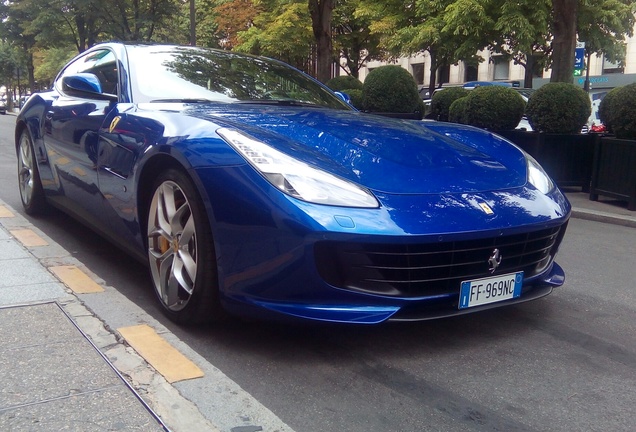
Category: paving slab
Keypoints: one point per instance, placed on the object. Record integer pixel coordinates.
(23, 271)
(53, 378)
(9, 250)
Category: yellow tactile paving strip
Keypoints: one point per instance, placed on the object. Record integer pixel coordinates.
(28, 237)
(166, 359)
(76, 279)
(5, 213)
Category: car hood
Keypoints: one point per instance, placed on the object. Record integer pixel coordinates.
(383, 154)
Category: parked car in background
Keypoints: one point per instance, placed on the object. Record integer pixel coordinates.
(248, 186)
(3, 106)
(22, 100)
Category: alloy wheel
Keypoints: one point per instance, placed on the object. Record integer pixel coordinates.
(172, 246)
(26, 176)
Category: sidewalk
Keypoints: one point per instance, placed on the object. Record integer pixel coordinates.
(62, 368)
(54, 379)
(604, 210)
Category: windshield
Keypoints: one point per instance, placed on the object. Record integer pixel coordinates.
(525, 92)
(186, 74)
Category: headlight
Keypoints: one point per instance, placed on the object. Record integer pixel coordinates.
(296, 178)
(537, 177)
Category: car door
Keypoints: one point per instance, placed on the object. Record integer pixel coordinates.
(71, 126)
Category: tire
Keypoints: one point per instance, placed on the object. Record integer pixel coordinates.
(181, 251)
(29, 182)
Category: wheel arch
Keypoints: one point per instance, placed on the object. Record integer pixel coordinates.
(207, 306)
(20, 127)
(149, 173)
(32, 126)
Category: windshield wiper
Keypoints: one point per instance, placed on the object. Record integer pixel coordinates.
(185, 100)
(282, 102)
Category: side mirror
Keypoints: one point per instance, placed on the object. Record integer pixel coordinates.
(85, 85)
(345, 97)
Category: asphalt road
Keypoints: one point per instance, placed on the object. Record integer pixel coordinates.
(563, 363)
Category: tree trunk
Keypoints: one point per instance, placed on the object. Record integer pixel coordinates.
(528, 74)
(321, 11)
(433, 69)
(30, 68)
(193, 24)
(564, 41)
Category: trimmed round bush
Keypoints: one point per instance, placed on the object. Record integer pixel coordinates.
(494, 108)
(391, 89)
(606, 108)
(343, 82)
(457, 110)
(623, 112)
(559, 108)
(356, 97)
(442, 101)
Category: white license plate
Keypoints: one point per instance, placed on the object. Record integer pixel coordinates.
(489, 290)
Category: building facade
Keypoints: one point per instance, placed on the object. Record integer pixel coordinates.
(603, 75)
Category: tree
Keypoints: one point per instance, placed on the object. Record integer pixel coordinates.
(449, 30)
(353, 38)
(522, 30)
(207, 23)
(65, 22)
(9, 64)
(603, 26)
(282, 30)
(134, 20)
(321, 12)
(233, 17)
(19, 31)
(49, 62)
(564, 20)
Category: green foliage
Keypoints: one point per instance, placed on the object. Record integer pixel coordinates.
(344, 82)
(8, 64)
(49, 62)
(606, 109)
(622, 105)
(604, 25)
(494, 108)
(352, 36)
(443, 99)
(281, 30)
(356, 97)
(457, 110)
(559, 108)
(449, 30)
(391, 89)
(522, 28)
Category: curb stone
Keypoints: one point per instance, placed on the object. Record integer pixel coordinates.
(175, 411)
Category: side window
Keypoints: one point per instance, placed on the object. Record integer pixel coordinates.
(102, 64)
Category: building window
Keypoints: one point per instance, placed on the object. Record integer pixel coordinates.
(443, 74)
(502, 68)
(610, 67)
(418, 72)
(470, 73)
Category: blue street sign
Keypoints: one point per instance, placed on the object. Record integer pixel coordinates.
(579, 58)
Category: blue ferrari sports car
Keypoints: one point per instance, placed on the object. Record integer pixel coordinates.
(248, 187)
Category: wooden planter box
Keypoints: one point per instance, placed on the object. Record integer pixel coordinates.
(531, 142)
(614, 170)
(568, 159)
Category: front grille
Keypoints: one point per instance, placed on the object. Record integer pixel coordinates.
(429, 269)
